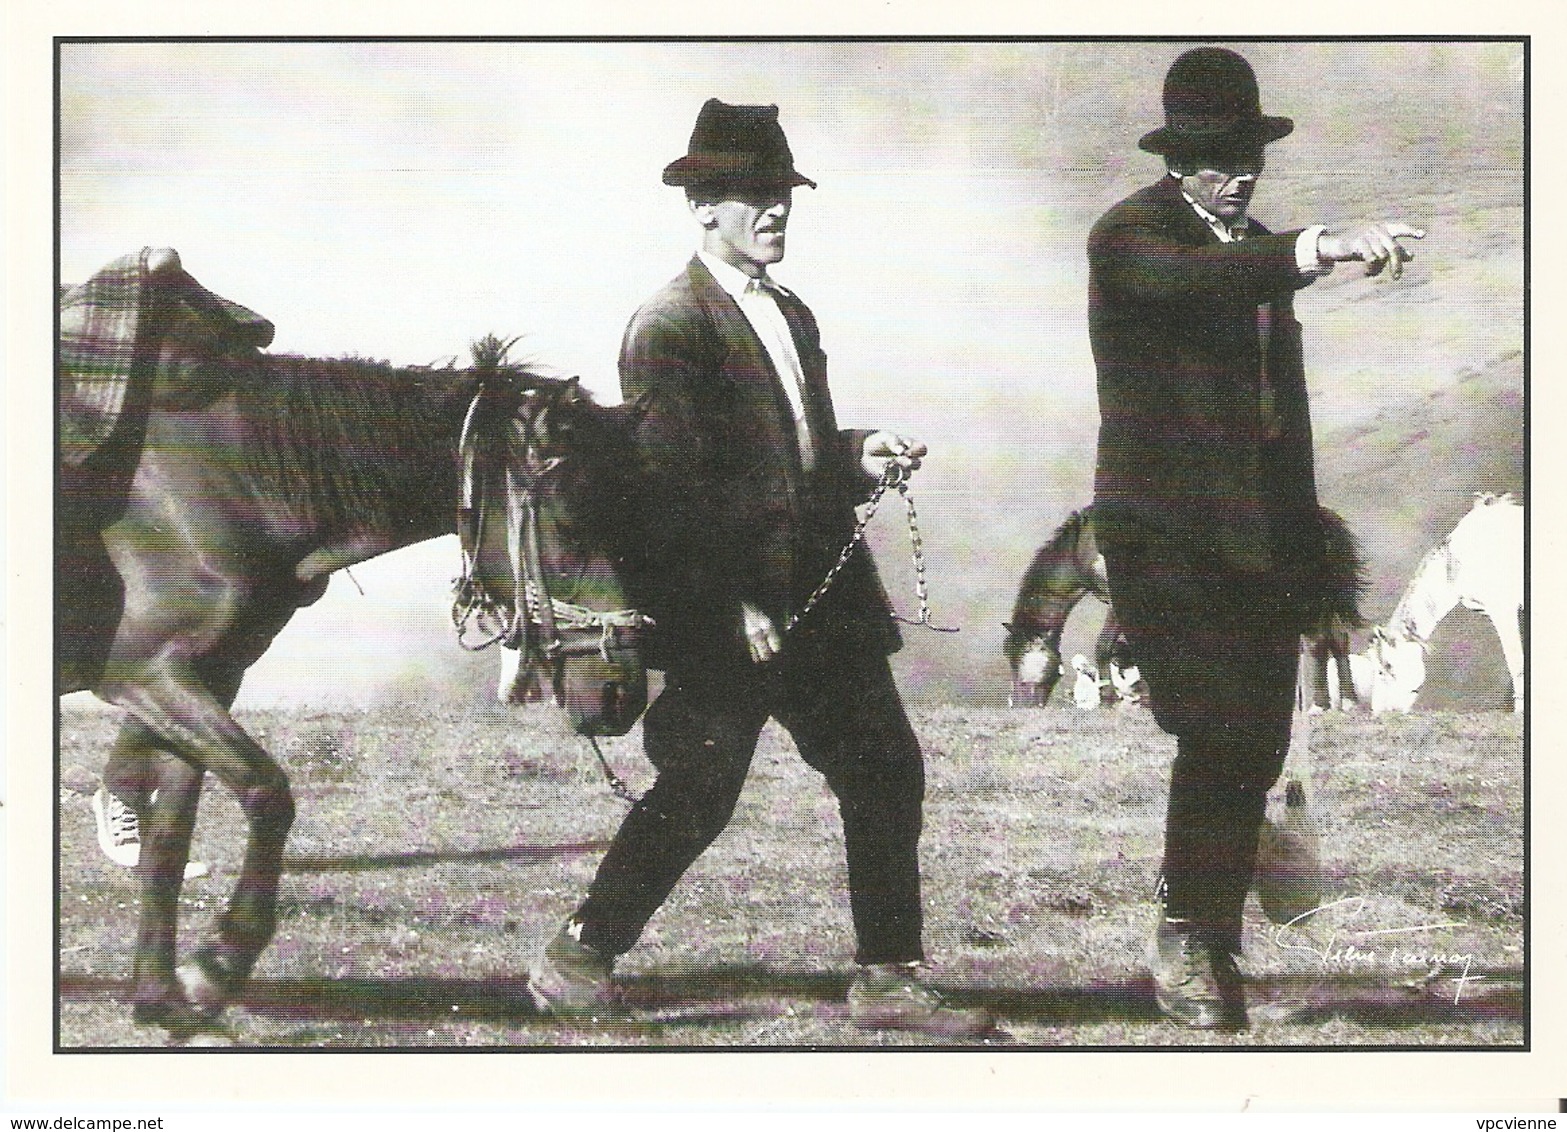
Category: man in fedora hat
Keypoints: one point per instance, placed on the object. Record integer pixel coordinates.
(1205, 495)
(751, 494)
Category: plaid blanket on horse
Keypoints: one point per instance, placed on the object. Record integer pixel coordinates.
(107, 347)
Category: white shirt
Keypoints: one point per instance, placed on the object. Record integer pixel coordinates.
(761, 310)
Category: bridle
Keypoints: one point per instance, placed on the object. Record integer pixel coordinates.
(542, 628)
(528, 619)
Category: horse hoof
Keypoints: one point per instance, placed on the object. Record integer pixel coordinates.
(203, 987)
(202, 1039)
(181, 1019)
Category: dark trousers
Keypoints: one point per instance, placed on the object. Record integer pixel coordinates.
(1220, 654)
(1218, 796)
(846, 717)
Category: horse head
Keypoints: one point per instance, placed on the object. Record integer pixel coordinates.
(1062, 571)
(547, 493)
(1035, 660)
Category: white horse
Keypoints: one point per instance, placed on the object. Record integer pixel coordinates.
(1481, 565)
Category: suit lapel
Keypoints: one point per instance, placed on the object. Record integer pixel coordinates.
(746, 360)
(818, 401)
(1193, 230)
(745, 363)
(1199, 233)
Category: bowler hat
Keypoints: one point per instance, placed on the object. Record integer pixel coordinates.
(736, 145)
(1211, 106)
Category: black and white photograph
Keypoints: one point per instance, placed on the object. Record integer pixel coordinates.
(992, 545)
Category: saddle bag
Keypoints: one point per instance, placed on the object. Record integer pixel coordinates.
(601, 679)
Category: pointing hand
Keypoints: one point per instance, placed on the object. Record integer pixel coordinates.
(1375, 245)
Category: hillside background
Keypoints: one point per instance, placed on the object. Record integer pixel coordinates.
(402, 200)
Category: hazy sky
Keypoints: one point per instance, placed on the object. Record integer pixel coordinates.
(399, 200)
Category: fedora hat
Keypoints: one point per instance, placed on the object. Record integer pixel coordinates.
(736, 145)
(1211, 105)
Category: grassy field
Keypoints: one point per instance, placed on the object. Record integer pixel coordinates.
(436, 848)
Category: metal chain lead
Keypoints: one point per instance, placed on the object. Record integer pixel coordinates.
(893, 476)
(617, 785)
(921, 587)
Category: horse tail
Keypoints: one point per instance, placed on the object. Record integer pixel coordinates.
(1345, 575)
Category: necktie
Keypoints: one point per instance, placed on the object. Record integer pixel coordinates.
(1267, 410)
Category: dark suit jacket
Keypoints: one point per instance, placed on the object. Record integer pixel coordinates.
(1190, 459)
(731, 516)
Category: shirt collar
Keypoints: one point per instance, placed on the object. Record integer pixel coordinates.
(1220, 228)
(731, 278)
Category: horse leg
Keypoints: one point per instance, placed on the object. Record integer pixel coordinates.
(130, 772)
(1359, 666)
(1509, 630)
(139, 769)
(195, 727)
(166, 835)
(247, 924)
(1104, 646)
(1338, 655)
(1314, 692)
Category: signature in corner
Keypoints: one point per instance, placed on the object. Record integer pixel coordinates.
(1350, 948)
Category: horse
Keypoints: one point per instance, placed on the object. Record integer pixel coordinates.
(1069, 567)
(229, 487)
(1480, 564)
(1064, 570)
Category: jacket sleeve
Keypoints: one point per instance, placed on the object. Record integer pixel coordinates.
(1138, 255)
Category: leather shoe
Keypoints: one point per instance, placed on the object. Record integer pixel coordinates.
(888, 996)
(1195, 979)
(572, 979)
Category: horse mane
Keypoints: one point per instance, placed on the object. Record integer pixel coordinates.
(1063, 543)
(1428, 597)
(604, 479)
(353, 440)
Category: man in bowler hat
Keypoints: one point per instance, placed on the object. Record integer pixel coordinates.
(1205, 495)
(751, 494)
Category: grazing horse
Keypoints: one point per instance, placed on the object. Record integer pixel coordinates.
(219, 501)
(1062, 572)
(1069, 567)
(1480, 565)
